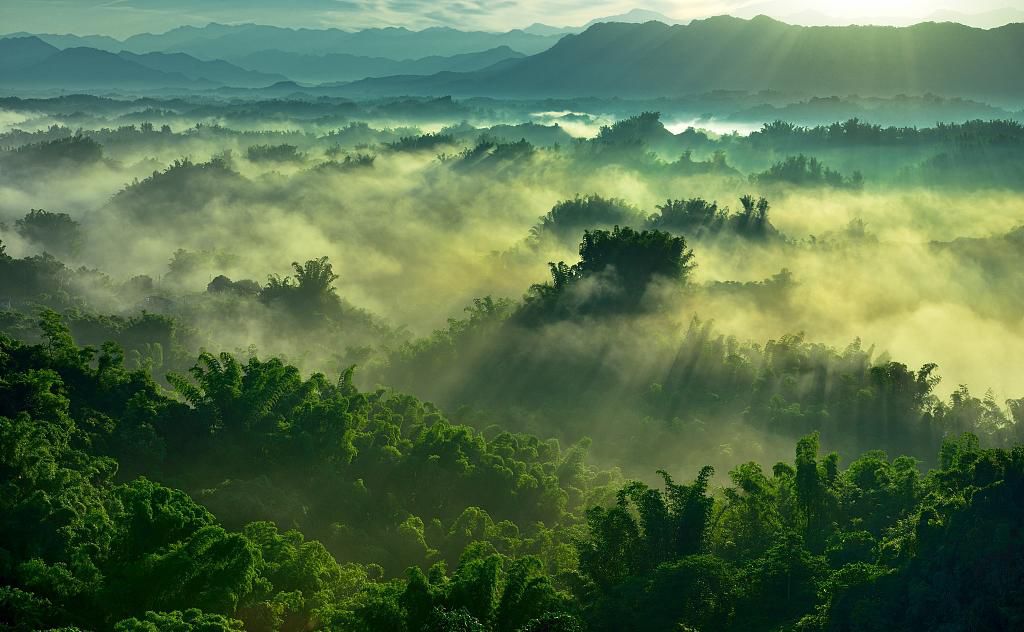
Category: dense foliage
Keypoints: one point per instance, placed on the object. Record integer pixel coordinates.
(125, 508)
(236, 391)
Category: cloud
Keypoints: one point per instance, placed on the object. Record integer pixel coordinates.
(126, 17)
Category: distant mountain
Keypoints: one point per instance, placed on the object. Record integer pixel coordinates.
(216, 71)
(219, 41)
(223, 41)
(546, 30)
(102, 42)
(89, 68)
(982, 14)
(21, 52)
(636, 16)
(31, 62)
(341, 67)
(984, 20)
(725, 53)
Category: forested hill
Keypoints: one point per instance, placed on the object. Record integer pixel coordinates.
(726, 53)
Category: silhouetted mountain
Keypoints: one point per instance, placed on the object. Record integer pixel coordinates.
(88, 68)
(29, 61)
(218, 41)
(216, 71)
(985, 19)
(984, 14)
(724, 53)
(538, 28)
(230, 42)
(21, 52)
(102, 42)
(635, 16)
(341, 67)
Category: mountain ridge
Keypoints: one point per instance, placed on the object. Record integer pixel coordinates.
(223, 41)
(336, 67)
(30, 61)
(726, 53)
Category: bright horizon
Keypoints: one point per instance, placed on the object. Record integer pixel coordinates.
(121, 18)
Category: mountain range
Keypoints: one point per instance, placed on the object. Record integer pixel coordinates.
(608, 59)
(339, 67)
(228, 42)
(232, 42)
(982, 14)
(726, 53)
(636, 16)
(30, 62)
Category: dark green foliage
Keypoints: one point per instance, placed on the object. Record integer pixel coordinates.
(810, 545)
(71, 151)
(660, 536)
(74, 536)
(568, 219)
(312, 288)
(636, 258)
(39, 278)
(616, 270)
(221, 283)
(632, 140)
(855, 132)
(425, 142)
(274, 153)
(493, 154)
(255, 495)
(638, 129)
(57, 233)
(359, 161)
(806, 172)
(184, 187)
(191, 620)
(696, 217)
(699, 219)
(308, 300)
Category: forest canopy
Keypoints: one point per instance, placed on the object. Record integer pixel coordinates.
(110, 465)
(277, 359)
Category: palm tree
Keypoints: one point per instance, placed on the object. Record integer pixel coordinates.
(315, 277)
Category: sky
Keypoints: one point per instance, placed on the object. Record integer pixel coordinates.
(120, 18)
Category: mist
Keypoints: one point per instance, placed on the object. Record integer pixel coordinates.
(541, 330)
(416, 230)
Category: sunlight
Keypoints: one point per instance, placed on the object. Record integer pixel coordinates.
(552, 318)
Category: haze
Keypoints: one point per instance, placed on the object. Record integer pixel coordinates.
(684, 318)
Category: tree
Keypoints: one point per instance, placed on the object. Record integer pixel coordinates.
(615, 271)
(212, 570)
(191, 620)
(55, 232)
(309, 294)
(568, 218)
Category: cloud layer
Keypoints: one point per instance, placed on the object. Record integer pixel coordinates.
(126, 17)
